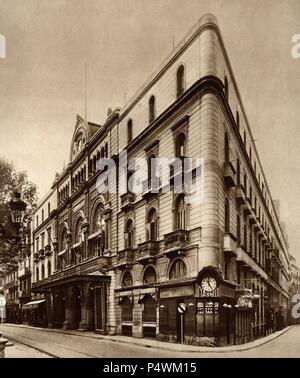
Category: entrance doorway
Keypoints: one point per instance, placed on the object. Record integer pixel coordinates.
(149, 317)
(76, 305)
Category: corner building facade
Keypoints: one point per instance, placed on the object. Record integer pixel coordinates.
(122, 262)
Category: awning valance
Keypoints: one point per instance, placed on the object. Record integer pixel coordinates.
(33, 304)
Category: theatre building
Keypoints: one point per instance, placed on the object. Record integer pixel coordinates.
(166, 261)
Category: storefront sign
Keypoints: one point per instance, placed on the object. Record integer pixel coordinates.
(182, 291)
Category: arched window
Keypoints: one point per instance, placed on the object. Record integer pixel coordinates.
(151, 109)
(238, 171)
(129, 131)
(78, 231)
(245, 236)
(63, 241)
(178, 270)
(129, 234)
(37, 274)
(102, 153)
(226, 87)
(180, 214)
(127, 280)
(49, 268)
(43, 271)
(180, 81)
(226, 148)
(238, 228)
(98, 221)
(181, 145)
(152, 225)
(150, 276)
(227, 216)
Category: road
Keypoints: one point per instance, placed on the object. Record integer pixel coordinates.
(57, 344)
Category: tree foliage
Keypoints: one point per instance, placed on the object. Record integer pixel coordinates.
(12, 180)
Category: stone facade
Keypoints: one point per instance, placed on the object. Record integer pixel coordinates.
(122, 262)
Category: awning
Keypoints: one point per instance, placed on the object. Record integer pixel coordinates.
(143, 295)
(33, 304)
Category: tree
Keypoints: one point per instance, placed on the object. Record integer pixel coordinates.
(12, 180)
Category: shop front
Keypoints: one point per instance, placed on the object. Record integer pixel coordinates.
(76, 302)
(212, 312)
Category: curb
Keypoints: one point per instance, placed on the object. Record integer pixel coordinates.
(229, 349)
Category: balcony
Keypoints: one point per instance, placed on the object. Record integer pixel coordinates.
(229, 175)
(177, 239)
(48, 250)
(126, 256)
(127, 200)
(240, 195)
(229, 245)
(11, 284)
(41, 253)
(147, 250)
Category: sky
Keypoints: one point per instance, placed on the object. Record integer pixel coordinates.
(122, 42)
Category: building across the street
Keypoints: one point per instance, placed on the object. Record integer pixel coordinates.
(165, 263)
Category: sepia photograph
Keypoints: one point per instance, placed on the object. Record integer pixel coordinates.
(149, 183)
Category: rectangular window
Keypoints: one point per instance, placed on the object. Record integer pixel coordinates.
(49, 236)
(37, 244)
(42, 240)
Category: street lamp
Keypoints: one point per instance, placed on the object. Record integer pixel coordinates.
(17, 209)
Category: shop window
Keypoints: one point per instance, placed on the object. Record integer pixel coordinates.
(178, 269)
(126, 310)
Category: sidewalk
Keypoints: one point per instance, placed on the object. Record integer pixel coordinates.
(148, 343)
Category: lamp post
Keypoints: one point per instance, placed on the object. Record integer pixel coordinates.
(10, 231)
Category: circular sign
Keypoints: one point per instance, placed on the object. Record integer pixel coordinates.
(181, 308)
(2, 301)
